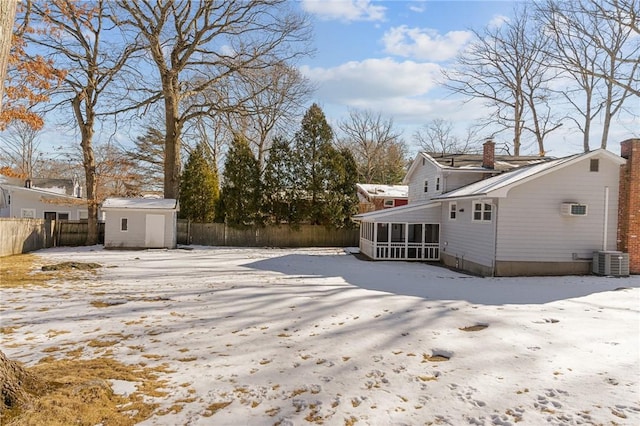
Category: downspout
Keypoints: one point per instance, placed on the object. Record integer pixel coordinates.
(606, 218)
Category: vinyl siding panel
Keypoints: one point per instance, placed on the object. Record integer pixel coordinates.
(25, 199)
(455, 180)
(465, 239)
(416, 183)
(531, 227)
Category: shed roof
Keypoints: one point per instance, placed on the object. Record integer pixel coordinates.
(140, 203)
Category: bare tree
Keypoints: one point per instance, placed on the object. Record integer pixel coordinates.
(19, 147)
(274, 97)
(76, 42)
(595, 43)
(375, 145)
(437, 136)
(196, 45)
(506, 67)
(7, 19)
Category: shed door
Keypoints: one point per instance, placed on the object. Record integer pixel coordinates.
(154, 233)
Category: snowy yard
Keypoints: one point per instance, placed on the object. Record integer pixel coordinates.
(316, 336)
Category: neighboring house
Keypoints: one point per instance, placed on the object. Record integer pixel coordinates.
(540, 217)
(373, 197)
(137, 223)
(55, 199)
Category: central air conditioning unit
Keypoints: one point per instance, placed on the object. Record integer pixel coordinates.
(573, 209)
(613, 263)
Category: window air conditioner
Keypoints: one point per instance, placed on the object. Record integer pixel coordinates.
(573, 209)
(614, 263)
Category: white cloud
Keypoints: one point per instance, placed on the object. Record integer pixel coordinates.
(498, 20)
(373, 79)
(418, 6)
(345, 10)
(424, 43)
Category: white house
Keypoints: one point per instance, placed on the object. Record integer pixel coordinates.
(529, 216)
(55, 199)
(137, 223)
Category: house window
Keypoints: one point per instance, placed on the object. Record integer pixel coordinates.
(438, 184)
(124, 224)
(594, 165)
(28, 213)
(453, 211)
(426, 186)
(388, 203)
(83, 215)
(482, 212)
(63, 216)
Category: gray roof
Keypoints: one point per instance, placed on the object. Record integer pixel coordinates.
(493, 185)
(474, 161)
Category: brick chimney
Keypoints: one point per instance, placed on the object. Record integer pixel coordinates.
(488, 154)
(629, 204)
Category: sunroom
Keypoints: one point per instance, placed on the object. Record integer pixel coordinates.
(409, 232)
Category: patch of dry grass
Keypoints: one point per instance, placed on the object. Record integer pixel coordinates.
(27, 269)
(22, 270)
(79, 393)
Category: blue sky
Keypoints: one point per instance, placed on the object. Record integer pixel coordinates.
(387, 56)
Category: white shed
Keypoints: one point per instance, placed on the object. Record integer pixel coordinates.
(136, 223)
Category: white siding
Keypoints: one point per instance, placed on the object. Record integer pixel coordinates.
(135, 236)
(455, 180)
(531, 227)
(23, 198)
(465, 239)
(416, 183)
(416, 215)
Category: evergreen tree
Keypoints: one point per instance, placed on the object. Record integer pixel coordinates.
(278, 183)
(342, 201)
(241, 190)
(312, 153)
(148, 156)
(199, 191)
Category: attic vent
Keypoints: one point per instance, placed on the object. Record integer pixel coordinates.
(614, 263)
(573, 209)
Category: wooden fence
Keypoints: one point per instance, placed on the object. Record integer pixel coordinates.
(25, 235)
(219, 234)
(74, 232)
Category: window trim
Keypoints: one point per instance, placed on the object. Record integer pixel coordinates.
(483, 211)
(388, 203)
(31, 213)
(594, 165)
(124, 224)
(453, 210)
(85, 211)
(68, 213)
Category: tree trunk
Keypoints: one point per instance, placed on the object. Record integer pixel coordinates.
(607, 118)
(16, 384)
(89, 164)
(172, 141)
(7, 18)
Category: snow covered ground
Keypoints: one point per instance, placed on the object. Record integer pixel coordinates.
(306, 336)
